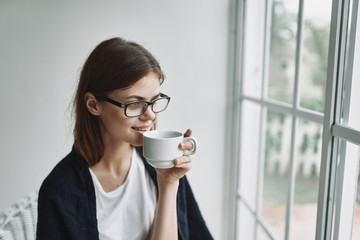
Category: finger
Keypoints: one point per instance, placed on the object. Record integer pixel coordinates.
(182, 160)
(184, 165)
(188, 133)
(188, 145)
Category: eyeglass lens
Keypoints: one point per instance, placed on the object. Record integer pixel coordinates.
(138, 108)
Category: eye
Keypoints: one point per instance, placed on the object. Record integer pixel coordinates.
(136, 105)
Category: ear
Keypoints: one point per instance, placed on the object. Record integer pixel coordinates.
(92, 104)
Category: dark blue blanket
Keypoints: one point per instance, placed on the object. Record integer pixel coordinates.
(67, 204)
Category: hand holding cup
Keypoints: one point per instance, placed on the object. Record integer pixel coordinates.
(165, 149)
(176, 166)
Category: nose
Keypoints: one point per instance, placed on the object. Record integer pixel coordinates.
(149, 114)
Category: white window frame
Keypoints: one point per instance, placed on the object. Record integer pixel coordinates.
(331, 174)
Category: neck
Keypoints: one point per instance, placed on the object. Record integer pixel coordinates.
(116, 156)
(114, 166)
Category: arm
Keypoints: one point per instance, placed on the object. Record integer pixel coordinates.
(50, 224)
(64, 210)
(165, 219)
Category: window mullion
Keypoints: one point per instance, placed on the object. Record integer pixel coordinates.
(346, 133)
(291, 183)
(263, 115)
(298, 54)
(332, 112)
(266, 49)
(296, 97)
(347, 173)
(350, 63)
(234, 130)
(287, 109)
(347, 181)
(260, 170)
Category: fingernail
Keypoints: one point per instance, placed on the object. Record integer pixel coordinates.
(182, 145)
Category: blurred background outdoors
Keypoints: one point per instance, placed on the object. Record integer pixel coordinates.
(266, 197)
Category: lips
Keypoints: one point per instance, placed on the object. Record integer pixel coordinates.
(142, 129)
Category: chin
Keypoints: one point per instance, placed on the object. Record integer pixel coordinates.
(137, 144)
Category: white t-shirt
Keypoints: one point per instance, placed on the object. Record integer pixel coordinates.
(128, 211)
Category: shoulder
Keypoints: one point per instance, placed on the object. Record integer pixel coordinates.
(68, 175)
(66, 201)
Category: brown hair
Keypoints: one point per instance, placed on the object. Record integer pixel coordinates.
(113, 64)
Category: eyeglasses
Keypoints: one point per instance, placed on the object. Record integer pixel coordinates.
(137, 108)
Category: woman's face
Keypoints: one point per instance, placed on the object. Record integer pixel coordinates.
(118, 128)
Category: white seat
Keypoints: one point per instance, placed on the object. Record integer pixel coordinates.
(19, 221)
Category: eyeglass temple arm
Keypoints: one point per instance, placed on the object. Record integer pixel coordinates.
(164, 95)
(111, 101)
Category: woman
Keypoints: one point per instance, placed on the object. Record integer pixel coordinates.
(104, 189)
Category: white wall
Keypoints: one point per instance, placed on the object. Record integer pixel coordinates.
(43, 45)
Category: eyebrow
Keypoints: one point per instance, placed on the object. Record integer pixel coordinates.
(142, 98)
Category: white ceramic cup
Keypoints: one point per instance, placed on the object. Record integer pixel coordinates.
(161, 147)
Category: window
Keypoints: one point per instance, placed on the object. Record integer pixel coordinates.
(295, 125)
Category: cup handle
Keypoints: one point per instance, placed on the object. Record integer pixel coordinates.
(186, 152)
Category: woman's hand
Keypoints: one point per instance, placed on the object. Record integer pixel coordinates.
(181, 165)
(165, 219)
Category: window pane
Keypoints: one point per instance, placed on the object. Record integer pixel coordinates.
(261, 234)
(282, 50)
(246, 223)
(356, 224)
(307, 168)
(250, 149)
(351, 96)
(275, 184)
(316, 29)
(346, 225)
(253, 48)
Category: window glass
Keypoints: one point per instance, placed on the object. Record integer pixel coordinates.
(313, 66)
(261, 234)
(250, 148)
(307, 170)
(276, 170)
(337, 143)
(246, 223)
(356, 224)
(346, 222)
(282, 50)
(266, 139)
(351, 87)
(253, 48)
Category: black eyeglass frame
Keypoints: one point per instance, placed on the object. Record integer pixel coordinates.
(125, 105)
